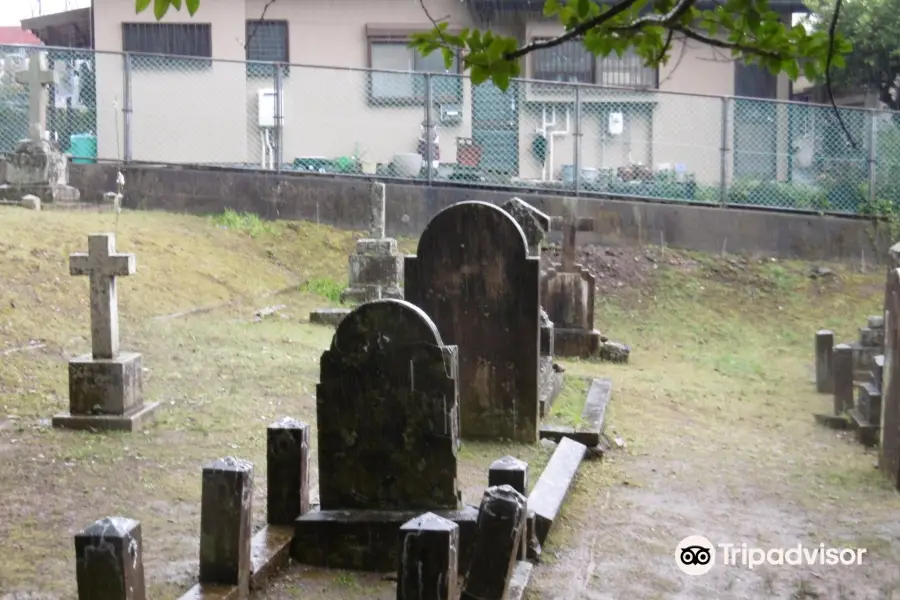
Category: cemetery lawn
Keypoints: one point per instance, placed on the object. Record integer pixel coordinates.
(714, 411)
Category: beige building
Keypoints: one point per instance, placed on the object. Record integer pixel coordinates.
(216, 108)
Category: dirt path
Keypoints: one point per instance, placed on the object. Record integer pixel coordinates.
(619, 541)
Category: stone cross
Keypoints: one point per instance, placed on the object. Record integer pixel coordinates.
(376, 205)
(103, 264)
(37, 77)
(570, 224)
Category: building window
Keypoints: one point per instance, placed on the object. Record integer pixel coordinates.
(180, 43)
(571, 62)
(393, 54)
(267, 41)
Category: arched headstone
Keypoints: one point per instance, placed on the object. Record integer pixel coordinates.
(473, 276)
(387, 413)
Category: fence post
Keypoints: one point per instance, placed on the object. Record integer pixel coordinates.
(279, 116)
(873, 154)
(429, 147)
(577, 136)
(127, 107)
(723, 154)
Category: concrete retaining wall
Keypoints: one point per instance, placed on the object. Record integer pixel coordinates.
(342, 202)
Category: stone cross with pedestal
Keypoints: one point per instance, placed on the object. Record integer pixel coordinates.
(106, 386)
(567, 294)
(37, 167)
(376, 269)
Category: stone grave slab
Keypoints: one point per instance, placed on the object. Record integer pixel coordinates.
(823, 349)
(387, 392)
(106, 386)
(593, 416)
(552, 488)
(473, 276)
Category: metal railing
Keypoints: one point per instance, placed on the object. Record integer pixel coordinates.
(537, 135)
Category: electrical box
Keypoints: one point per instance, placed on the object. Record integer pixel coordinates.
(267, 108)
(450, 114)
(616, 123)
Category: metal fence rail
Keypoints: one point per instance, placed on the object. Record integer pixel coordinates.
(536, 135)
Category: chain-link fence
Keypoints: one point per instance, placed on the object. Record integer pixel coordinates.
(438, 127)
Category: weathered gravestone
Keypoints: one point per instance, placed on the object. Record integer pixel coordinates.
(889, 451)
(109, 560)
(473, 276)
(106, 386)
(567, 293)
(36, 167)
(376, 269)
(535, 224)
(388, 422)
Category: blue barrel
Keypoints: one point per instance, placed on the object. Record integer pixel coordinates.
(83, 148)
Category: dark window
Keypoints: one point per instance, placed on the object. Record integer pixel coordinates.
(408, 87)
(175, 40)
(571, 62)
(568, 62)
(267, 41)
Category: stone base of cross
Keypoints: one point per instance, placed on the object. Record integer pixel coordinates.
(105, 386)
(570, 226)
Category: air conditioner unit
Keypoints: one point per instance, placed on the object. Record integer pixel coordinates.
(267, 108)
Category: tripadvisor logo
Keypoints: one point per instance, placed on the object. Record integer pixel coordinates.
(696, 555)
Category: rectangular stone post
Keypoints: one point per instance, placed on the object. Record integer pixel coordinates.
(287, 471)
(225, 522)
(501, 522)
(429, 559)
(109, 560)
(509, 471)
(842, 367)
(824, 374)
(512, 472)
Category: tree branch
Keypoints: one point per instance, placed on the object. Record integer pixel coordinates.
(832, 28)
(257, 23)
(576, 31)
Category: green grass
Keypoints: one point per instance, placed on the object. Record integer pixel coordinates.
(326, 288)
(244, 222)
(569, 404)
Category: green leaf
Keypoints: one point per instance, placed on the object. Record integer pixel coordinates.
(141, 5)
(479, 74)
(192, 6)
(448, 57)
(551, 7)
(176, 4)
(583, 8)
(501, 80)
(159, 8)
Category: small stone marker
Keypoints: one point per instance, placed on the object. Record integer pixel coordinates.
(509, 471)
(824, 350)
(473, 275)
(106, 386)
(534, 223)
(842, 367)
(287, 471)
(501, 524)
(225, 523)
(109, 560)
(429, 561)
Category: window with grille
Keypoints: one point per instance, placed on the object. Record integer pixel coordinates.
(409, 86)
(175, 45)
(572, 63)
(267, 41)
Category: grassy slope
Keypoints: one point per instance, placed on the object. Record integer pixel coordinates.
(721, 345)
